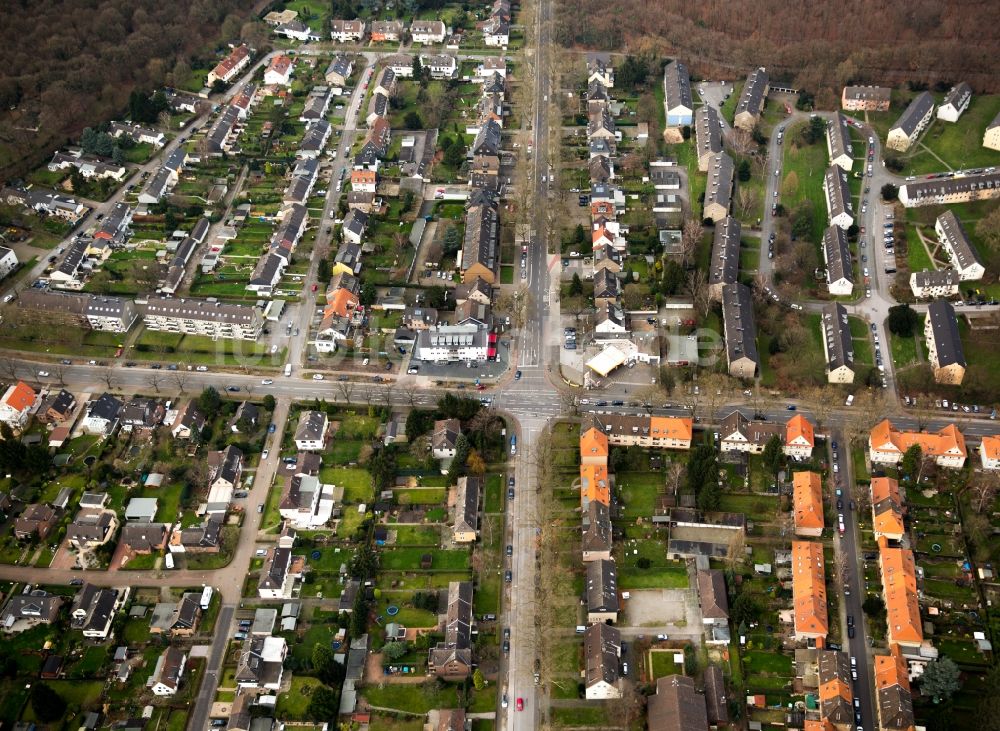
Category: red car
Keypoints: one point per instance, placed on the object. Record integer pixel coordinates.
(314, 287)
(520, 704)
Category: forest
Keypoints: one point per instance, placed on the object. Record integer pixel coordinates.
(70, 64)
(819, 46)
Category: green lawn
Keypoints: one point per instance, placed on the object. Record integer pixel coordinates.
(904, 350)
(917, 255)
(638, 492)
(493, 494)
(809, 163)
(662, 663)
(293, 704)
(421, 698)
(357, 483)
(415, 535)
(420, 495)
(582, 715)
(959, 144)
(408, 559)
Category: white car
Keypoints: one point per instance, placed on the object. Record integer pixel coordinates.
(263, 455)
(201, 369)
(267, 382)
(43, 374)
(412, 370)
(317, 376)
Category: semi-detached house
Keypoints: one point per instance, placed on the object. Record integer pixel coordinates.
(956, 243)
(887, 445)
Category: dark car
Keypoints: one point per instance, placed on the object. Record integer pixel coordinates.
(617, 403)
(510, 493)
(506, 647)
(233, 389)
(508, 576)
(510, 481)
(271, 428)
(510, 550)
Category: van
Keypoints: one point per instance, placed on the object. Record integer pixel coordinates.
(581, 629)
(288, 369)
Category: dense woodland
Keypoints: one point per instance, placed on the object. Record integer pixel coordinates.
(818, 46)
(69, 64)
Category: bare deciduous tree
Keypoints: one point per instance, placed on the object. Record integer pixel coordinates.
(180, 378)
(346, 390)
(690, 238)
(154, 379)
(697, 286)
(747, 200)
(110, 378)
(983, 490)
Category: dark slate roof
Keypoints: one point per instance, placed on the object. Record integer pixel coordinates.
(944, 329)
(921, 105)
(725, 267)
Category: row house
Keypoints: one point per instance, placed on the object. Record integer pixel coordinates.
(229, 67)
(347, 31)
(934, 283)
(214, 319)
(45, 201)
(751, 102)
(887, 445)
(838, 343)
(911, 123)
(839, 266)
(865, 98)
(956, 243)
(740, 331)
(944, 344)
(840, 211)
(948, 191)
(838, 142)
(955, 102)
(740, 434)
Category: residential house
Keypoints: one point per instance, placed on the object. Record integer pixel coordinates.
(484, 173)
(106, 314)
(441, 65)
(807, 504)
(708, 135)
(944, 344)
(599, 68)
(428, 31)
(595, 485)
(16, 405)
(894, 699)
(364, 202)
(887, 445)
(58, 406)
(751, 103)
(94, 610)
(305, 502)
(296, 30)
(594, 447)
(246, 417)
(315, 139)
(89, 167)
(261, 663)
(955, 102)
(955, 241)
(947, 191)
(204, 538)
(37, 519)
(809, 591)
(602, 650)
(676, 705)
(386, 31)
(339, 70)
(989, 452)
(479, 246)
(23, 611)
(865, 98)
(712, 598)
(142, 413)
(92, 528)
(316, 106)
(677, 94)
(610, 321)
(451, 659)
(229, 67)
(189, 422)
(466, 527)
(45, 201)
(352, 230)
(719, 192)
(887, 509)
(363, 181)
(487, 140)
(838, 198)
(225, 468)
(144, 538)
(478, 290)
(496, 32)
(452, 343)
(740, 434)
(277, 578)
(725, 263)
(838, 142)
(102, 415)
(911, 123)
(607, 289)
(740, 331)
(597, 533)
(166, 677)
(346, 31)
(601, 590)
(661, 432)
(838, 344)
(935, 283)
(836, 695)
(991, 137)
(310, 434)
(444, 438)
(899, 588)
